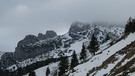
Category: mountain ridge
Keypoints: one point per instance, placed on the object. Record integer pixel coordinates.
(58, 45)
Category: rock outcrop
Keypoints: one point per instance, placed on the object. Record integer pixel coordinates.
(49, 34)
(7, 60)
(31, 46)
(77, 29)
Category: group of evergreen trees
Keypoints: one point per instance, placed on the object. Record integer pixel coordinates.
(92, 47)
(64, 63)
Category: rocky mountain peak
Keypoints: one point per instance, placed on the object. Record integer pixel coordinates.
(41, 36)
(29, 39)
(50, 34)
(78, 27)
(28, 48)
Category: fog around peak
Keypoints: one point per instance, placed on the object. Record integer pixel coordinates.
(19, 18)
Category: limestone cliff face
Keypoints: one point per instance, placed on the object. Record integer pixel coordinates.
(31, 46)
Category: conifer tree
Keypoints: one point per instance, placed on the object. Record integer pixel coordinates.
(83, 54)
(63, 66)
(130, 26)
(47, 71)
(107, 37)
(74, 60)
(93, 46)
(19, 71)
(32, 73)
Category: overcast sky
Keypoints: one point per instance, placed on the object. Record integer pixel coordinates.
(22, 17)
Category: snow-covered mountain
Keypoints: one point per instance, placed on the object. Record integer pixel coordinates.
(115, 60)
(37, 49)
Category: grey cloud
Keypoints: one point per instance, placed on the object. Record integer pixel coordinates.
(21, 17)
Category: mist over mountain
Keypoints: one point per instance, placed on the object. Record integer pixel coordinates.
(19, 18)
(67, 38)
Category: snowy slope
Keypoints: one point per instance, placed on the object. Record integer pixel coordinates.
(97, 60)
(76, 46)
